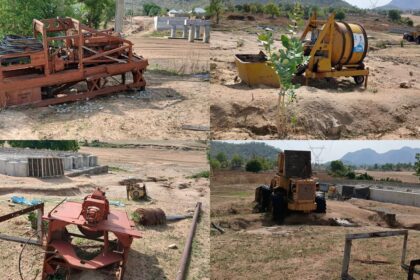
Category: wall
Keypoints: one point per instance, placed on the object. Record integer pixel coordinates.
(397, 197)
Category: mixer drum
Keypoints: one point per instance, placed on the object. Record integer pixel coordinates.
(350, 44)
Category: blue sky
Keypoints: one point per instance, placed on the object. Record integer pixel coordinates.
(368, 3)
(336, 149)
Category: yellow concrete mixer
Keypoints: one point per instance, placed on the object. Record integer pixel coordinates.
(336, 49)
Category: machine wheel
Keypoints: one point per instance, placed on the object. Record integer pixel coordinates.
(90, 233)
(418, 40)
(321, 204)
(279, 207)
(359, 80)
(301, 69)
(262, 197)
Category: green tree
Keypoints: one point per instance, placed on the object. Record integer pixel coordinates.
(214, 164)
(285, 62)
(61, 145)
(272, 9)
(236, 161)
(340, 15)
(417, 165)
(216, 8)
(253, 165)
(337, 167)
(394, 15)
(96, 11)
(16, 16)
(151, 9)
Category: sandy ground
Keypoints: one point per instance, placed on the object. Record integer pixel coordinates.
(175, 96)
(324, 110)
(305, 246)
(150, 257)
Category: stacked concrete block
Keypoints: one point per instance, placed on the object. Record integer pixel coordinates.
(93, 160)
(43, 163)
(68, 163)
(85, 161)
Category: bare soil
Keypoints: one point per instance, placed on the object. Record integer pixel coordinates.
(305, 246)
(175, 97)
(333, 109)
(150, 257)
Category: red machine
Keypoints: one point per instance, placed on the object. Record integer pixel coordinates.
(94, 219)
(66, 54)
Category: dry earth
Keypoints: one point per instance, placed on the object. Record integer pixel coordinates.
(176, 95)
(306, 246)
(150, 257)
(334, 109)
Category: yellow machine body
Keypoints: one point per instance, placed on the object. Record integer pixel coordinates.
(335, 49)
(300, 191)
(254, 70)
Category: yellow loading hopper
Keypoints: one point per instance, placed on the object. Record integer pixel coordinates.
(254, 70)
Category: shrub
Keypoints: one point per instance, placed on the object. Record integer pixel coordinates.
(254, 165)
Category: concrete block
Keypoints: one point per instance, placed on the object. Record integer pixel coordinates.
(67, 163)
(10, 168)
(21, 169)
(77, 162)
(2, 166)
(85, 161)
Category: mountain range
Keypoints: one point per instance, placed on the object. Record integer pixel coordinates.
(319, 3)
(371, 157)
(402, 5)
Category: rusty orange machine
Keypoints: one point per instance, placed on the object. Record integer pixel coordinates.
(94, 219)
(66, 61)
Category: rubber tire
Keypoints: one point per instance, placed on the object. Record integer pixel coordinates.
(301, 69)
(418, 40)
(359, 80)
(278, 207)
(262, 197)
(321, 204)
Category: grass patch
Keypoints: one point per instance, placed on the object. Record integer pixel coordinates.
(201, 174)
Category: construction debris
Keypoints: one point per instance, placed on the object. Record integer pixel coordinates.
(149, 216)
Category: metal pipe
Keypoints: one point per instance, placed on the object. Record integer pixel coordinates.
(181, 274)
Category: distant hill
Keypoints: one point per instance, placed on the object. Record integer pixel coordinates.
(246, 150)
(320, 3)
(370, 157)
(402, 5)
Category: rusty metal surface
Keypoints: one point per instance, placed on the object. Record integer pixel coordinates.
(183, 266)
(21, 212)
(150, 216)
(96, 219)
(40, 73)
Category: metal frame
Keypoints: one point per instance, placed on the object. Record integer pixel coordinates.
(328, 30)
(348, 243)
(40, 212)
(22, 84)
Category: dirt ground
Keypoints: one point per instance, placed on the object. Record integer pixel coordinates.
(176, 96)
(305, 246)
(150, 257)
(334, 109)
(403, 176)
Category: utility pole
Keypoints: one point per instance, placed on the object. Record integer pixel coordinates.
(119, 15)
(317, 151)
